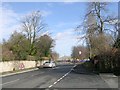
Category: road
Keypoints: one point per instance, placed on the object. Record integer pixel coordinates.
(59, 77)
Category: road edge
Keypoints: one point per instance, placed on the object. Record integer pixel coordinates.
(24, 71)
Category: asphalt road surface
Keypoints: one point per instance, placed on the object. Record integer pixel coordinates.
(58, 77)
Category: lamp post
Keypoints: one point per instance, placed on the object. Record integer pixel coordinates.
(80, 53)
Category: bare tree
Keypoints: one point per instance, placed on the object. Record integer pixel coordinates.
(95, 25)
(97, 9)
(116, 25)
(33, 26)
(54, 55)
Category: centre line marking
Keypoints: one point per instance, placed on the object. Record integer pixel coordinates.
(61, 77)
(50, 86)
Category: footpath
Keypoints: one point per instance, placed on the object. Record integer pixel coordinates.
(109, 78)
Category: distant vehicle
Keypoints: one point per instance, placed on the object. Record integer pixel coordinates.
(50, 64)
(74, 61)
(86, 60)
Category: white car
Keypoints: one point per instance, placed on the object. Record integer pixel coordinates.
(49, 64)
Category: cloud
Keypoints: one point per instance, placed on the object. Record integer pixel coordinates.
(45, 13)
(64, 35)
(50, 4)
(9, 21)
(65, 41)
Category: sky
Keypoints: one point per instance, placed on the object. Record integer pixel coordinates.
(61, 18)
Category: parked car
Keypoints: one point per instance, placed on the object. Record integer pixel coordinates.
(50, 64)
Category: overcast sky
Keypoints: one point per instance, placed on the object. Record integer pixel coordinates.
(61, 18)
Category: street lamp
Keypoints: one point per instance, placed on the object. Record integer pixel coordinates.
(80, 52)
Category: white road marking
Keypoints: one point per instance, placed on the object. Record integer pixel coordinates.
(58, 80)
(50, 86)
(74, 65)
(55, 82)
(10, 82)
(61, 77)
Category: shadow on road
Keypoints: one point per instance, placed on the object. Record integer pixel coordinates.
(81, 69)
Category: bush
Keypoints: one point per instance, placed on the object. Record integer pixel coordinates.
(89, 65)
(116, 71)
(31, 58)
(7, 56)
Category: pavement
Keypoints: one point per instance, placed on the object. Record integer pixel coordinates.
(110, 79)
(13, 73)
(56, 78)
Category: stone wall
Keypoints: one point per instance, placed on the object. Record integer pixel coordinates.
(18, 65)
